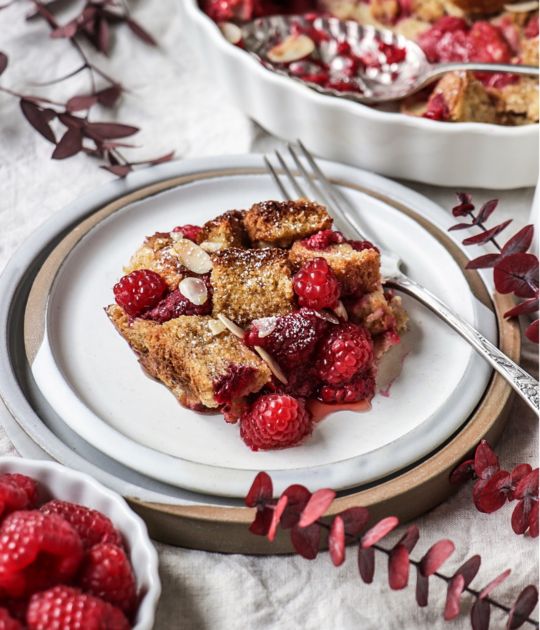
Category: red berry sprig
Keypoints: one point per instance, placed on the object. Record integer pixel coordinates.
(496, 486)
(300, 511)
(514, 270)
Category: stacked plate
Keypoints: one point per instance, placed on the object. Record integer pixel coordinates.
(76, 394)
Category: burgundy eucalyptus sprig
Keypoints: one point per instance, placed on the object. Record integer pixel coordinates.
(514, 270)
(300, 511)
(496, 486)
(96, 139)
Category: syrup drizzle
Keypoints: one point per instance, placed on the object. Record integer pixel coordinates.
(320, 411)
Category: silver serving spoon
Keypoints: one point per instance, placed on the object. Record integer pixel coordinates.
(288, 45)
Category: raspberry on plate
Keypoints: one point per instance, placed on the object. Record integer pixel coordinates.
(316, 285)
(139, 291)
(347, 350)
(275, 421)
(66, 608)
(323, 239)
(189, 231)
(293, 340)
(360, 387)
(37, 551)
(92, 526)
(175, 305)
(7, 622)
(12, 496)
(106, 573)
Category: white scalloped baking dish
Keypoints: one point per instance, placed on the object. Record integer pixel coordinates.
(392, 144)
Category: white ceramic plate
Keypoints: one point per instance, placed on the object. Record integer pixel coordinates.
(92, 379)
(445, 154)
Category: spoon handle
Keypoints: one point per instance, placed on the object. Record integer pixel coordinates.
(443, 68)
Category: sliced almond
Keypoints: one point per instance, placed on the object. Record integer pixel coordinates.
(234, 328)
(341, 311)
(194, 289)
(522, 7)
(329, 317)
(265, 326)
(230, 32)
(192, 256)
(210, 247)
(292, 48)
(270, 361)
(216, 326)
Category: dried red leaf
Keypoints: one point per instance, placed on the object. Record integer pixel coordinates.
(486, 463)
(261, 491)
(515, 274)
(483, 262)
(485, 237)
(262, 521)
(464, 198)
(493, 495)
(109, 131)
(533, 522)
(298, 497)
(463, 473)
(109, 96)
(520, 242)
(453, 597)
(38, 119)
(71, 121)
(336, 541)
(521, 515)
(528, 486)
(45, 13)
(532, 332)
(317, 505)
(120, 170)
(398, 567)
(435, 557)
(68, 31)
(355, 519)
(102, 33)
(422, 589)
(141, 33)
(366, 563)
(477, 492)
(3, 62)
(480, 615)
(378, 531)
(163, 158)
(530, 306)
(278, 511)
(410, 538)
(306, 540)
(70, 144)
(494, 583)
(523, 607)
(516, 476)
(485, 211)
(77, 103)
(462, 210)
(469, 569)
(460, 226)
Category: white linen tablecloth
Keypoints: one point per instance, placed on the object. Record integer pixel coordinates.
(177, 107)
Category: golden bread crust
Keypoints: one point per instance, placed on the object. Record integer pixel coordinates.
(466, 98)
(227, 230)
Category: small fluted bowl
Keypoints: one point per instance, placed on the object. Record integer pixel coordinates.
(58, 482)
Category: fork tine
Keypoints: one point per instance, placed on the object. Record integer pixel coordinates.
(292, 178)
(277, 180)
(309, 180)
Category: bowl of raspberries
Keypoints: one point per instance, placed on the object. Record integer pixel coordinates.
(73, 555)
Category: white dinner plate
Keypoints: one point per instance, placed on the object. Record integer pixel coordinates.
(91, 378)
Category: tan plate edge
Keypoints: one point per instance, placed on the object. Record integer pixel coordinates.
(406, 496)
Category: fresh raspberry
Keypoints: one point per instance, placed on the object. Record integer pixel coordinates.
(360, 387)
(92, 526)
(188, 231)
(323, 239)
(65, 608)
(37, 551)
(531, 30)
(139, 291)
(7, 622)
(27, 484)
(106, 573)
(176, 304)
(360, 246)
(316, 285)
(12, 496)
(273, 422)
(293, 340)
(16, 607)
(437, 108)
(347, 350)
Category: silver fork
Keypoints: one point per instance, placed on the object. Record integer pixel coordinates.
(346, 221)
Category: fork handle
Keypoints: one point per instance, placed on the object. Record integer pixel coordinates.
(524, 384)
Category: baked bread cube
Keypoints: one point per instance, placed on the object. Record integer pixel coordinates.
(251, 283)
(279, 223)
(227, 230)
(356, 271)
(157, 254)
(518, 103)
(202, 369)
